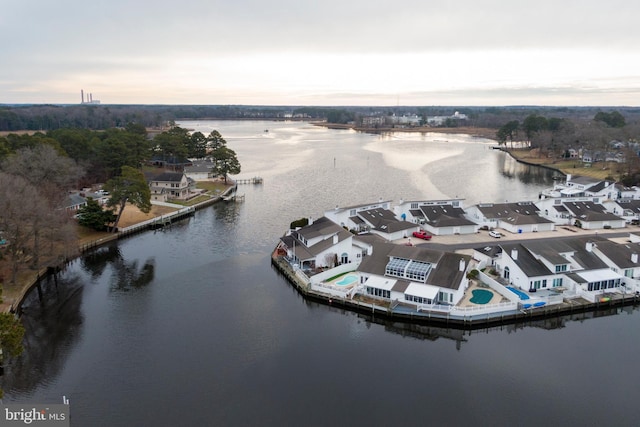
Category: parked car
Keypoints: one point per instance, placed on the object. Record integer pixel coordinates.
(494, 233)
(422, 235)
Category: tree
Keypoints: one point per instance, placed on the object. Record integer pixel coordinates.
(11, 333)
(508, 131)
(93, 216)
(50, 174)
(225, 162)
(613, 119)
(131, 186)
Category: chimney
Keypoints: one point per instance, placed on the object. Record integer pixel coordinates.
(462, 264)
(634, 258)
(514, 254)
(589, 247)
(335, 239)
(310, 219)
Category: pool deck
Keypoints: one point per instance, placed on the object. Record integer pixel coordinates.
(466, 300)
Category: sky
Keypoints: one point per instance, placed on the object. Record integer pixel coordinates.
(329, 52)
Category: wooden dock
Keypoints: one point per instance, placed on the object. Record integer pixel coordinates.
(254, 180)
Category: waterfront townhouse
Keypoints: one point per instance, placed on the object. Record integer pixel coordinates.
(373, 218)
(570, 266)
(520, 217)
(593, 216)
(348, 216)
(622, 258)
(580, 186)
(414, 276)
(320, 244)
(628, 209)
(438, 217)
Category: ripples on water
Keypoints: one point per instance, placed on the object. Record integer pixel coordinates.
(192, 326)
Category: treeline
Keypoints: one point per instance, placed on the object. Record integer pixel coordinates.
(50, 117)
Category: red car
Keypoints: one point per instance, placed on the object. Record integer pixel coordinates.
(422, 235)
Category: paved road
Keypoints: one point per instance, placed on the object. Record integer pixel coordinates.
(470, 241)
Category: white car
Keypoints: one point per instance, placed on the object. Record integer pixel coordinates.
(495, 234)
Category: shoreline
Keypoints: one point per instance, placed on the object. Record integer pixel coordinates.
(12, 301)
(475, 132)
(387, 311)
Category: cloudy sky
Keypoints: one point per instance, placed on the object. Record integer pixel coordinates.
(329, 52)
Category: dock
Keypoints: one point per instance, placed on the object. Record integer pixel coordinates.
(255, 180)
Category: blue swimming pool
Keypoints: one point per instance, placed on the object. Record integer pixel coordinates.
(347, 280)
(521, 295)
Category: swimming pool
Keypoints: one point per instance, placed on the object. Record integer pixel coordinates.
(518, 292)
(347, 280)
(481, 296)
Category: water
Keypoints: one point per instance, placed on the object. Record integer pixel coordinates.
(191, 326)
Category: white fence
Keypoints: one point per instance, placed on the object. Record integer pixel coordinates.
(336, 271)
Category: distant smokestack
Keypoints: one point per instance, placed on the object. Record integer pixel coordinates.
(90, 97)
(82, 95)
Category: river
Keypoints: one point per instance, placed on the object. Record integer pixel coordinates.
(191, 326)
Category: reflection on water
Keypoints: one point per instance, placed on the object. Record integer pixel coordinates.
(191, 325)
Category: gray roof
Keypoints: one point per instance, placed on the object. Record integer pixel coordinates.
(384, 220)
(620, 253)
(530, 265)
(445, 216)
(447, 273)
(165, 177)
(513, 213)
(321, 227)
(589, 211)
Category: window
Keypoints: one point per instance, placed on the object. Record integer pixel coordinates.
(557, 282)
(414, 206)
(352, 212)
(408, 269)
(560, 268)
(507, 273)
(628, 272)
(378, 292)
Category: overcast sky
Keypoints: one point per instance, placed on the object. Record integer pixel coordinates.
(329, 52)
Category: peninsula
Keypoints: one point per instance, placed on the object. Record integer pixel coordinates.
(437, 261)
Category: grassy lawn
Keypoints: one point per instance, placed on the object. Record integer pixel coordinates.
(600, 170)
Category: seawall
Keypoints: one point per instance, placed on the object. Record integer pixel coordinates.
(385, 310)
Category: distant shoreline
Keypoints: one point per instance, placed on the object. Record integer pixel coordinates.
(487, 133)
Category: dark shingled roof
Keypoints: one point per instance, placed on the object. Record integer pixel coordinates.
(620, 253)
(531, 266)
(521, 213)
(445, 216)
(447, 274)
(588, 211)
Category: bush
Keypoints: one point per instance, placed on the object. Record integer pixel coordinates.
(473, 274)
(299, 223)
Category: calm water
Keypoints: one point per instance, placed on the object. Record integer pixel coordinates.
(192, 327)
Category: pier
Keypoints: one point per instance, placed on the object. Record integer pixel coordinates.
(254, 180)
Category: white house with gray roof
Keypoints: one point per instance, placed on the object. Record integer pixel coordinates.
(438, 217)
(374, 218)
(322, 243)
(520, 217)
(568, 265)
(415, 276)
